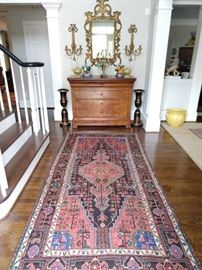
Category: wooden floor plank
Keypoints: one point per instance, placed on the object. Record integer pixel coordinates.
(180, 178)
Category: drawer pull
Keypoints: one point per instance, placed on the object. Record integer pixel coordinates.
(101, 94)
(101, 103)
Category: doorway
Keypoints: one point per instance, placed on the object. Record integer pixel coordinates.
(37, 50)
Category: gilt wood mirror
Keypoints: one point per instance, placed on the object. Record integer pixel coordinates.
(103, 30)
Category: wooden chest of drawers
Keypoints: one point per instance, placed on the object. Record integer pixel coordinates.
(101, 101)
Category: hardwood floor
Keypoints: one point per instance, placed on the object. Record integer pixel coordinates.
(180, 178)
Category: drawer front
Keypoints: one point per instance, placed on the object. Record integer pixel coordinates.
(101, 94)
(101, 108)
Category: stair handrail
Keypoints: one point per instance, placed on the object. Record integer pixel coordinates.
(36, 91)
(18, 61)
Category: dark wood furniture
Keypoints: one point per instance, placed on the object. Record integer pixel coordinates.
(101, 101)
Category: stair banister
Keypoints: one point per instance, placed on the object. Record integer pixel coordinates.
(18, 61)
(36, 89)
(28, 77)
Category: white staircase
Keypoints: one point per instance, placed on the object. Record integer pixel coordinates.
(24, 132)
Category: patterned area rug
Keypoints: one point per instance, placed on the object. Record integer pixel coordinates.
(197, 132)
(190, 143)
(103, 209)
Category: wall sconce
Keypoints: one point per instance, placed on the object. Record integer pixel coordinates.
(74, 51)
(130, 50)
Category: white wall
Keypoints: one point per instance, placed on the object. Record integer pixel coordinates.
(176, 94)
(15, 17)
(132, 12)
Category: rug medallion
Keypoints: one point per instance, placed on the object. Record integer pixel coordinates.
(103, 209)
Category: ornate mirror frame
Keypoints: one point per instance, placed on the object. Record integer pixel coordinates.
(103, 11)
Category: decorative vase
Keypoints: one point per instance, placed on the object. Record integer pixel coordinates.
(138, 102)
(63, 102)
(119, 75)
(175, 117)
(86, 75)
(77, 71)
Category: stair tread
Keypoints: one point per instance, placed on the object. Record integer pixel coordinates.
(20, 162)
(4, 114)
(11, 134)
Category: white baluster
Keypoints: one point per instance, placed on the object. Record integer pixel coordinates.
(1, 102)
(40, 101)
(32, 101)
(3, 182)
(24, 96)
(34, 74)
(3, 64)
(16, 93)
(44, 99)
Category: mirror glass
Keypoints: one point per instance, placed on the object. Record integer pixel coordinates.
(103, 39)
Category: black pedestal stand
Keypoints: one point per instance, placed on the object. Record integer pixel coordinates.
(138, 102)
(63, 102)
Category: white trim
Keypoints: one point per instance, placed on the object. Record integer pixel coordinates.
(7, 122)
(187, 2)
(16, 145)
(6, 205)
(184, 22)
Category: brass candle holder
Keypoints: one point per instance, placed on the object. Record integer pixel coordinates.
(103, 60)
(63, 102)
(130, 50)
(74, 51)
(103, 63)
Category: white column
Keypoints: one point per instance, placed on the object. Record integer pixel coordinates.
(151, 113)
(196, 73)
(55, 52)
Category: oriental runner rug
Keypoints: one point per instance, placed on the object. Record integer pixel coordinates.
(102, 209)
